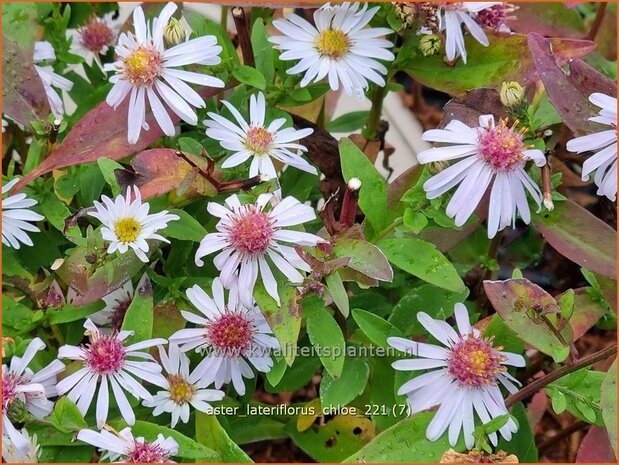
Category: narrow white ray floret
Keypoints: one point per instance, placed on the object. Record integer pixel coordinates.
(604, 146)
(229, 334)
(17, 217)
(107, 361)
(43, 52)
(21, 385)
(338, 46)
(249, 237)
(491, 154)
(127, 224)
(257, 140)
(463, 381)
(123, 447)
(183, 389)
(146, 70)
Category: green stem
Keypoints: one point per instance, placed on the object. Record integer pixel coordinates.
(371, 128)
(223, 21)
(388, 230)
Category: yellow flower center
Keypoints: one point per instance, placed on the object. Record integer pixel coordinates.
(333, 43)
(181, 391)
(127, 229)
(258, 140)
(143, 66)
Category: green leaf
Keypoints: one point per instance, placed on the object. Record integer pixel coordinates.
(373, 193)
(506, 59)
(250, 76)
(349, 122)
(530, 312)
(263, 50)
(608, 402)
(284, 320)
(338, 292)
(18, 22)
(365, 258)
(559, 402)
(66, 416)
(582, 392)
(210, 433)
(108, 167)
(424, 260)
(503, 336)
(139, 316)
(522, 443)
(187, 447)
(436, 302)
(352, 382)
(15, 314)
(326, 337)
(187, 228)
(69, 313)
(375, 328)
(54, 210)
(404, 442)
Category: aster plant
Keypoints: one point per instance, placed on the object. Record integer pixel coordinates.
(338, 232)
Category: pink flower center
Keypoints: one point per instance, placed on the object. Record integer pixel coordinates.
(258, 140)
(96, 34)
(120, 309)
(106, 354)
(251, 232)
(452, 5)
(143, 66)
(502, 147)
(494, 17)
(230, 334)
(143, 452)
(474, 362)
(10, 382)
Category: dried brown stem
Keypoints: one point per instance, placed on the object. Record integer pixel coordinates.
(242, 28)
(349, 204)
(597, 22)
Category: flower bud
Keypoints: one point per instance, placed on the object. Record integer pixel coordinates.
(174, 33)
(512, 95)
(429, 45)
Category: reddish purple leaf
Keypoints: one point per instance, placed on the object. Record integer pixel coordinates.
(589, 80)
(586, 312)
(595, 447)
(580, 236)
(571, 102)
(537, 408)
(102, 132)
(609, 291)
(553, 19)
(23, 95)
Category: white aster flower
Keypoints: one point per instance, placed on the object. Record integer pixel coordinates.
(230, 335)
(182, 388)
(452, 15)
(144, 69)
(11, 454)
(604, 144)
(21, 384)
(43, 51)
(337, 46)
(127, 224)
(257, 140)
(122, 447)
(247, 236)
(466, 380)
(95, 37)
(116, 304)
(16, 215)
(107, 360)
(492, 154)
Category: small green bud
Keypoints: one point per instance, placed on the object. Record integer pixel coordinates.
(429, 45)
(512, 95)
(174, 33)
